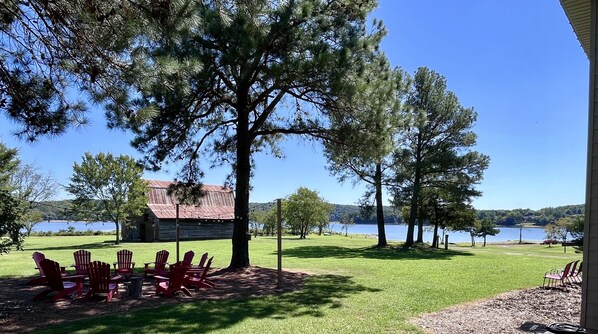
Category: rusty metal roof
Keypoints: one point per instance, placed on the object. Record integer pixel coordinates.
(217, 203)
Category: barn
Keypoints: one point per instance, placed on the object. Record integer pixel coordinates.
(211, 219)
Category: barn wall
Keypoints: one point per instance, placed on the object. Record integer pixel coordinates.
(194, 230)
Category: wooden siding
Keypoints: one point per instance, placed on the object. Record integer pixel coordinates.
(194, 230)
(589, 305)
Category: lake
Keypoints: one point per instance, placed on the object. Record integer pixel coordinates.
(393, 232)
(398, 233)
(55, 226)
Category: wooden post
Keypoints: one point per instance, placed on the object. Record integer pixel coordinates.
(446, 241)
(279, 243)
(177, 232)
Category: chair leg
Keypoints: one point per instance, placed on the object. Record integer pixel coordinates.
(42, 294)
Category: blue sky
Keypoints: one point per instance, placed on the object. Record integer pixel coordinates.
(517, 63)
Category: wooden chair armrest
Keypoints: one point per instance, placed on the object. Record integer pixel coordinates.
(74, 277)
(161, 278)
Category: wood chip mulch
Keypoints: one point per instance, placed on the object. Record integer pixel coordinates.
(523, 311)
(19, 313)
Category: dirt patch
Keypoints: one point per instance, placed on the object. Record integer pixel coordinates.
(511, 312)
(19, 313)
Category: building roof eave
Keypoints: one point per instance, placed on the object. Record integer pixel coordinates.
(579, 13)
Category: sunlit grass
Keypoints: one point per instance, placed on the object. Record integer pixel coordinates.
(354, 287)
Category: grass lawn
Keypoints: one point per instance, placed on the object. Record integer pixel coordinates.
(354, 288)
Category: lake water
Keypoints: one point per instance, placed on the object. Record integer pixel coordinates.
(79, 226)
(393, 232)
(398, 233)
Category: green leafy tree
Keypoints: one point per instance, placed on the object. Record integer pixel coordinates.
(221, 80)
(346, 222)
(31, 187)
(485, 228)
(551, 233)
(577, 228)
(305, 210)
(267, 219)
(10, 224)
(10, 206)
(436, 146)
(364, 139)
(212, 81)
(108, 187)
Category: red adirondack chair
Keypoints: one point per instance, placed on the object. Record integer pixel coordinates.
(198, 277)
(202, 261)
(577, 273)
(82, 261)
(188, 257)
(557, 275)
(57, 284)
(124, 264)
(159, 265)
(37, 258)
(100, 280)
(174, 283)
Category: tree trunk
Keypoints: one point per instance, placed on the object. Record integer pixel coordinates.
(472, 240)
(521, 233)
(420, 230)
(484, 241)
(117, 233)
(435, 241)
(240, 252)
(379, 207)
(413, 209)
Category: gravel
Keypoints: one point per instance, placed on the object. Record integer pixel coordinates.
(511, 312)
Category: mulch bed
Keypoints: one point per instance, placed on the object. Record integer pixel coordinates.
(528, 310)
(19, 313)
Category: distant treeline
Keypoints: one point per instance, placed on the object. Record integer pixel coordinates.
(60, 210)
(540, 217)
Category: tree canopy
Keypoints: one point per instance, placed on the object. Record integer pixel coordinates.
(108, 187)
(435, 148)
(305, 210)
(365, 138)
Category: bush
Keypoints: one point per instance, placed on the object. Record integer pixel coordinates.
(550, 242)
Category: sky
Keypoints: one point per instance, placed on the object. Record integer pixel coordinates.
(517, 63)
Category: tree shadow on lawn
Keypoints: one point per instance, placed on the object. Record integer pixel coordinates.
(384, 253)
(95, 245)
(319, 293)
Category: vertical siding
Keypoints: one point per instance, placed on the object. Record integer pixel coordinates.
(589, 306)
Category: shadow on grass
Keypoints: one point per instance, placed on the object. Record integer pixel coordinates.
(95, 245)
(319, 294)
(385, 253)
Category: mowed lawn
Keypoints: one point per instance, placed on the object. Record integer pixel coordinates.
(353, 287)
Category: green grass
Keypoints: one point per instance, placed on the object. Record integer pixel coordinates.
(353, 287)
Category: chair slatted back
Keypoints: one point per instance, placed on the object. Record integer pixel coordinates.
(202, 261)
(82, 261)
(52, 271)
(99, 276)
(37, 258)
(188, 257)
(177, 275)
(567, 269)
(124, 259)
(204, 273)
(161, 259)
(572, 270)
